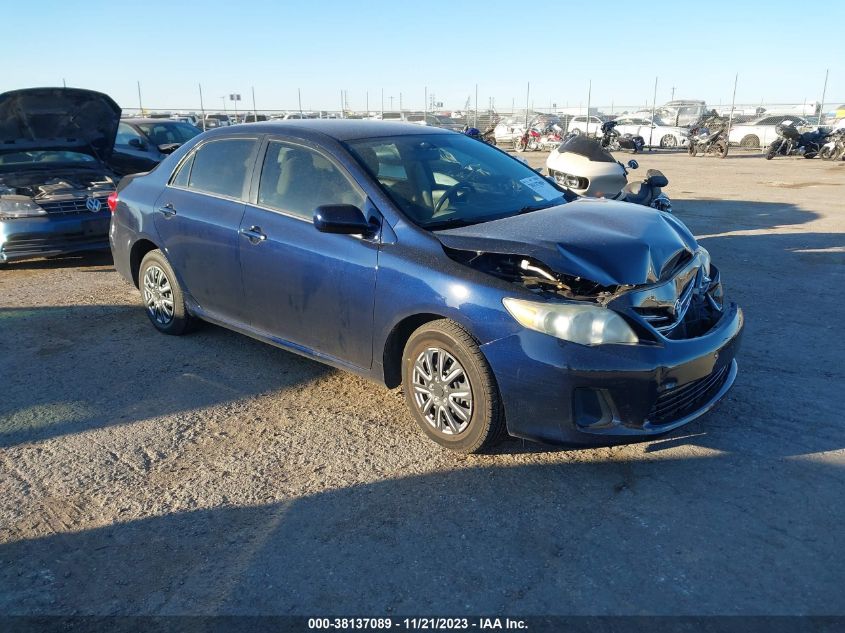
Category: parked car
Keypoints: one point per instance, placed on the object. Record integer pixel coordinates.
(217, 120)
(141, 144)
(421, 257)
(584, 125)
(655, 133)
(760, 132)
(55, 144)
(509, 129)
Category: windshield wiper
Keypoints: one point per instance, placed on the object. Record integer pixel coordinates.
(535, 207)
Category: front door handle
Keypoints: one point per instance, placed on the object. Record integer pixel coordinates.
(167, 210)
(254, 234)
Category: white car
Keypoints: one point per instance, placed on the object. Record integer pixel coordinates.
(761, 131)
(509, 129)
(655, 134)
(578, 125)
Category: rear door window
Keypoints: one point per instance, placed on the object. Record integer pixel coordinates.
(221, 167)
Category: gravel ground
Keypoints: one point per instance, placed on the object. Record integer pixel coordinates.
(145, 474)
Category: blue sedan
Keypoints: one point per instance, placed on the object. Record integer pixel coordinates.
(501, 302)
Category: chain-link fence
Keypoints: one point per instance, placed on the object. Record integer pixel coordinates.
(750, 125)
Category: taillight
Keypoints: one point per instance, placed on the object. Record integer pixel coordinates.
(112, 201)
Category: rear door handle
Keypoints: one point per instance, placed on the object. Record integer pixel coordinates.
(167, 210)
(254, 234)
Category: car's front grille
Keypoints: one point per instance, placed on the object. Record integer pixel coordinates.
(676, 403)
(665, 320)
(71, 206)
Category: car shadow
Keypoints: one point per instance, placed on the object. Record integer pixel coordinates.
(84, 259)
(709, 534)
(76, 368)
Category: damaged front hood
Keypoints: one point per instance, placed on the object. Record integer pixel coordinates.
(58, 119)
(611, 243)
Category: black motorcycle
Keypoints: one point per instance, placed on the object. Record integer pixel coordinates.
(613, 141)
(709, 137)
(791, 142)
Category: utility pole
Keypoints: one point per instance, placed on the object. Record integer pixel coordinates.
(733, 103)
(202, 107)
(299, 97)
(527, 97)
(400, 102)
(140, 105)
(254, 111)
(824, 94)
(653, 106)
(673, 93)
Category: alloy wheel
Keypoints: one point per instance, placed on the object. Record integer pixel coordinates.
(158, 295)
(442, 391)
(669, 141)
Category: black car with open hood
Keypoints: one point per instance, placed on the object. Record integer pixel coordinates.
(55, 144)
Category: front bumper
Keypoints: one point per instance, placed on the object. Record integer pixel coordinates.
(560, 392)
(45, 236)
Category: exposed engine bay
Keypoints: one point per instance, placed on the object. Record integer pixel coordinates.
(536, 276)
(686, 302)
(41, 185)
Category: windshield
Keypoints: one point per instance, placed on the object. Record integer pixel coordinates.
(171, 132)
(45, 157)
(448, 180)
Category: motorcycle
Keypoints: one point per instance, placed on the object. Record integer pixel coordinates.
(586, 168)
(708, 142)
(551, 139)
(488, 135)
(834, 149)
(528, 140)
(791, 142)
(613, 141)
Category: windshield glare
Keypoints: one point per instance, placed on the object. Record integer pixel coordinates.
(447, 180)
(45, 156)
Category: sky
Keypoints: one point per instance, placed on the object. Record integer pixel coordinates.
(323, 47)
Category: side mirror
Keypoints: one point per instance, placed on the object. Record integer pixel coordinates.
(168, 148)
(633, 164)
(345, 219)
(137, 143)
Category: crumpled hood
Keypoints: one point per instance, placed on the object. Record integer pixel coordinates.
(608, 242)
(58, 118)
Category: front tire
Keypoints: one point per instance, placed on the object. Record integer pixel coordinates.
(721, 148)
(774, 148)
(692, 149)
(164, 301)
(519, 144)
(450, 388)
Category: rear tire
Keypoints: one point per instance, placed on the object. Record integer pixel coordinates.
(692, 150)
(448, 343)
(519, 144)
(751, 141)
(826, 153)
(162, 296)
(721, 148)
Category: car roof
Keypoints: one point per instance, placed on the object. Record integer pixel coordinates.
(149, 120)
(338, 129)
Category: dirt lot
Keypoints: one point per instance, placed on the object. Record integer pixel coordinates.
(145, 474)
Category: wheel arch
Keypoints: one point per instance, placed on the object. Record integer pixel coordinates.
(395, 342)
(139, 249)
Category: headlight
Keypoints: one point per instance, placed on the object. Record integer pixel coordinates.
(705, 260)
(19, 207)
(579, 323)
